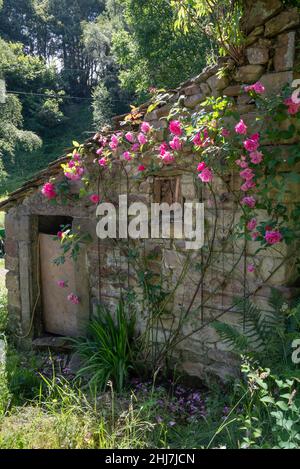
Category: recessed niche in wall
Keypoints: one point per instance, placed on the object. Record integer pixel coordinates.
(51, 224)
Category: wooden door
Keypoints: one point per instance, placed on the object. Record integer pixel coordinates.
(60, 316)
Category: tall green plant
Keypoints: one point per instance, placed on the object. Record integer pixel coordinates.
(107, 352)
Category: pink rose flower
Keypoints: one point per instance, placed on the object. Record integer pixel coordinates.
(60, 234)
(141, 167)
(167, 157)
(242, 163)
(197, 140)
(129, 137)
(175, 144)
(61, 283)
(73, 299)
(241, 127)
(247, 174)
(127, 156)
(175, 128)
(251, 268)
(114, 142)
(225, 133)
(273, 237)
(258, 87)
(99, 151)
(293, 107)
(142, 139)
(163, 148)
(206, 175)
(76, 157)
(135, 147)
(102, 162)
(249, 201)
(201, 166)
(250, 184)
(254, 235)
(48, 191)
(94, 198)
(251, 225)
(256, 157)
(252, 143)
(145, 127)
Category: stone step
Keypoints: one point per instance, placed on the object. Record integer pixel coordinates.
(55, 343)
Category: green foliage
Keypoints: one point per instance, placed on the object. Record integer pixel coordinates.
(102, 106)
(150, 53)
(265, 335)
(108, 351)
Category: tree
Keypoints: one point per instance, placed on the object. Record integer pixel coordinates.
(151, 53)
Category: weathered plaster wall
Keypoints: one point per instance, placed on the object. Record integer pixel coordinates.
(271, 57)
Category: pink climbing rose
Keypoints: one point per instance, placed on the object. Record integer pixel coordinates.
(145, 127)
(175, 128)
(127, 156)
(251, 268)
(167, 157)
(94, 198)
(247, 174)
(73, 299)
(293, 107)
(141, 167)
(61, 283)
(201, 166)
(142, 139)
(255, 235)
(48, 190)
(252, 143)
(241, 128)
(256, 157)
(135, 147)
(99, 151)
(251, 225)
(225, 133)
(206, 175)
(258, 87)
(175, 144)
(102, 162)
(273, 237)
(250, 184)
(114, 142)
(129, 137)
(197, 140)
(249, 201)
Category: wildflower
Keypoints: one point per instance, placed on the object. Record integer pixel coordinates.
(48, 190)
(175, 128)
(241, 127)
(273, 237)
(73, 299)
(258, 87)
(206, 175)
(145, 127)
(94, 198)
(249, 201)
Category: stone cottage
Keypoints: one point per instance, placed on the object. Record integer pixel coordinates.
(39, 310)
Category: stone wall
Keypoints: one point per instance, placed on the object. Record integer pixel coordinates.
(270, 56)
